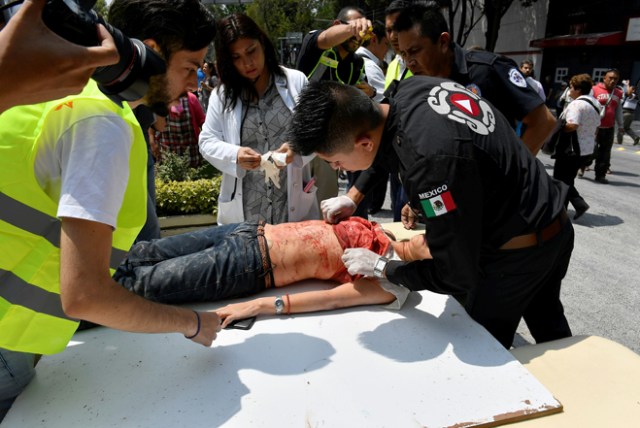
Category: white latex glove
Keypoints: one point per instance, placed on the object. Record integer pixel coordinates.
(335, 209)
(359, 261)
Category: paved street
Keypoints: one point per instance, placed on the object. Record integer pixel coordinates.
(601, 292)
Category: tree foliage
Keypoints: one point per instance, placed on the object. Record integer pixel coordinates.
(468, 13)
(101, 7)
(277, 17)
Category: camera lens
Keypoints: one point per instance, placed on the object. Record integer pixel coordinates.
(128, 80)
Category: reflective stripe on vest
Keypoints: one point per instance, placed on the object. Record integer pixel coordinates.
(31, 220)
(325, 61)
(19, 292)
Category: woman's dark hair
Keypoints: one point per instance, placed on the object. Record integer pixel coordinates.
(582, 82)
(230, 29)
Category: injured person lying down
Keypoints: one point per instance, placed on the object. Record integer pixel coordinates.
(236, 260)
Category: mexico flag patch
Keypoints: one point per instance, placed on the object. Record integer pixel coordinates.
(437, 202)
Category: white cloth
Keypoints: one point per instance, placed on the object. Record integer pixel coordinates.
(269, 163)
(375, 76)
(399, 291)
(85, 165)
(581, 113)
(630, 103)
(537, 86)
(219, 144)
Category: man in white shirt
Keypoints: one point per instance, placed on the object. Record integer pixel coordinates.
(373, 52)
(526, 68)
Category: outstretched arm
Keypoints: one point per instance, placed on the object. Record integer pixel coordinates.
(340, 32)
(88, 292)
(364, 291)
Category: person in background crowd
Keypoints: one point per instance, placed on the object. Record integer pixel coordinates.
(372, 52)
(610, 97)
(208, 84)
(396, 72)
(330, 55)
(201, 76)
(73, 190)
(526, 67)
(397, 69)
(147, 120)
(244, 131)
(49, 66)
(582, 115)
(182, 130)
(629, 104)
(428, 50)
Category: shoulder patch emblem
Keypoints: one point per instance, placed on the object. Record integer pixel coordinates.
(517, 78)
(454, 101)
(437, 201)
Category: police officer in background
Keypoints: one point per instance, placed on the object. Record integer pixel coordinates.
(496, 227)
(428, 50)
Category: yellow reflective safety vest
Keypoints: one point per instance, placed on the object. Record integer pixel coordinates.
(330, 59)
(31, 315)
(393, 73)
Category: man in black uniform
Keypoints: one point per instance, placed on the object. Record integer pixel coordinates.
(427, 48)
(495, 221)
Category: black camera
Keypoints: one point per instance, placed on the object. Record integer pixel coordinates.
(76, 21)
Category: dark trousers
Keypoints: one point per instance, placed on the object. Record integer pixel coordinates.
(378, 195)
(220, 262)
(151, 228)
(363, 207)
(565, 169)
(398, 197)
(602, 151)
(524, 283)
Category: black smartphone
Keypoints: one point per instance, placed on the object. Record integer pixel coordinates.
(243, 324)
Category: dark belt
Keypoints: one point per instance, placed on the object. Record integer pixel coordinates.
(537, 238)
(266, 259)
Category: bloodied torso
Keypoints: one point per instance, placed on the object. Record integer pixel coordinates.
(313, 249)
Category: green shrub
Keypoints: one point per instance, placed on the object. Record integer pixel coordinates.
(187, 197)
(174, 167)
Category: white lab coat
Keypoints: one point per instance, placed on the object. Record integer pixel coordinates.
(219, 145)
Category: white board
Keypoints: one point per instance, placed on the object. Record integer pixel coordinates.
(428, 365)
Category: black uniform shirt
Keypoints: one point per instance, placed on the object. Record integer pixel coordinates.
(349, 68)
(463, 166)
(497, 79)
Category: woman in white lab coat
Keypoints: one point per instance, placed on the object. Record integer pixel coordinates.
(246, 126)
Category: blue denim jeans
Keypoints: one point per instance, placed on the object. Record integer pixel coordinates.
(16, 371)
(220, 262)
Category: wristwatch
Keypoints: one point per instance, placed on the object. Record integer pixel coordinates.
(379, 267)
(279, 304)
